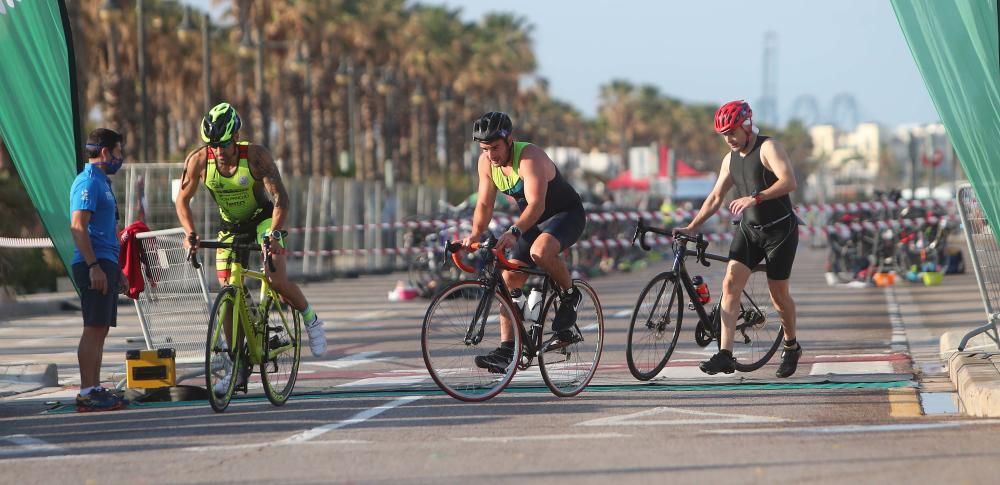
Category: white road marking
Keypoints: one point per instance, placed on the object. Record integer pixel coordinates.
(27, 444)
(248, 446)
(706, 417)
(357, 418)
(351, 360)
(588, 328)
(856, 428)
(871, 367)
(622, 314)
(387, 381)
(550, 437)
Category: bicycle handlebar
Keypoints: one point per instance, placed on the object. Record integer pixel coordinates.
(683, 239)
(236, 246)
(455, 247)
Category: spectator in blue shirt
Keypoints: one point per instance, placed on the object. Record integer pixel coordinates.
(93, 221)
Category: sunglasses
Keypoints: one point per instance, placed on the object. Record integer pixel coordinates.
(222, 144)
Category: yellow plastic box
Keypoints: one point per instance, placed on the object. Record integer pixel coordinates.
(150, 369)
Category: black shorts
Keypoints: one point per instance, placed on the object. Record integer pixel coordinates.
(566, 227)
(99, 310)
(776, 245)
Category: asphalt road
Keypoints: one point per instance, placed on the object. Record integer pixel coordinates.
(368, 412)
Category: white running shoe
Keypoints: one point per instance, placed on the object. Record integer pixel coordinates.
(222, 385)
(317, 338)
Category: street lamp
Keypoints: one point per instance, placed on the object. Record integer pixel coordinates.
(345, 75)
(109, 9)
(185, 32)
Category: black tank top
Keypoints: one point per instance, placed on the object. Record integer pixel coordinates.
(560, 196)
(750, 176)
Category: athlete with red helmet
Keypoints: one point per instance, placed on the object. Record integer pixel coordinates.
(758, 167)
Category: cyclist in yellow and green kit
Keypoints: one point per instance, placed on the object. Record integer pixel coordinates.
(245, 183)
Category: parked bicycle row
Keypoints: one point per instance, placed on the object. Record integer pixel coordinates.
(882, 245)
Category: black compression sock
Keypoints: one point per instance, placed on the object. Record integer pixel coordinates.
(791, 344)
(507, 345)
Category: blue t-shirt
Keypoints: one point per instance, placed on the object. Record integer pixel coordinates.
(92, 192)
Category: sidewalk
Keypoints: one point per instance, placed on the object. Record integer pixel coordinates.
(936, 319)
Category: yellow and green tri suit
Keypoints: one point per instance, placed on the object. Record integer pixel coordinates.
(243, 205)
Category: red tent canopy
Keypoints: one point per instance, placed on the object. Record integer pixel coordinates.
(624, 180)
(683, 170)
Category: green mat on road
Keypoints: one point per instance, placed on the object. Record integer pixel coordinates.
(69, 408)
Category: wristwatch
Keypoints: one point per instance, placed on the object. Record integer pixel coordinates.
(516, 231)
(91, 265)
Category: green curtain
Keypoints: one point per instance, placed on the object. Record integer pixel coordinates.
(39, 111)
(955, 46)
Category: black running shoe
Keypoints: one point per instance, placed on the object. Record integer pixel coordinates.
(721, 362)
(789, 361)
(561, 340)
(569, 301)
(497, 360)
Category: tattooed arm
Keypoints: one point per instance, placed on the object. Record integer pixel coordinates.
(263, 168)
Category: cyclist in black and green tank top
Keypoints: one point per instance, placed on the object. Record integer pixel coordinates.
(246, 185)
(552, 218)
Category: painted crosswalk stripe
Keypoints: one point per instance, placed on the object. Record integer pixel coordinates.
(357, 418)
(351, 360)
(26, 444)
(871, 367)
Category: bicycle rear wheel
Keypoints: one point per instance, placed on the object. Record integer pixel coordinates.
(653, 331)
(282, 348)
(758, 328)
(221, 359)
(568, 370)
(449, 352)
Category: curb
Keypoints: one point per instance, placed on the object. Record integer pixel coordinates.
(46, 375)
(47, 306)
(977, 378)
(975, 373)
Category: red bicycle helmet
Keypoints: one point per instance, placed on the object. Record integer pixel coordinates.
(732, 115)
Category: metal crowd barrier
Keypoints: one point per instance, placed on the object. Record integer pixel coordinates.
(985, 254)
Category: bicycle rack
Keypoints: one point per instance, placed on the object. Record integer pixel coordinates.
(985, 255)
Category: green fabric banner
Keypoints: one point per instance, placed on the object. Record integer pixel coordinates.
(956, 46)
(39, 110)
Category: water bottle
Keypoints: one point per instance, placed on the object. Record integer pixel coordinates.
(702, 289)
(534, 305)
(519, 300)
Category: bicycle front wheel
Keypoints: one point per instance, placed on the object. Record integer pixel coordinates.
(282, 349)
(568, 370)
(222, 359)
(461, 328)
(758, 328)
(655, 326)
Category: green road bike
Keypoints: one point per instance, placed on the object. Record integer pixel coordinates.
(267, 333)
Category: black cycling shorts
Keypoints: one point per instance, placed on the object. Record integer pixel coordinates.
(567, 227)
(776, 245)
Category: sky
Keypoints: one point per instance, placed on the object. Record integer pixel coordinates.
(712, 51)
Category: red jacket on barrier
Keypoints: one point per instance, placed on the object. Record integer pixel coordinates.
(131, 258)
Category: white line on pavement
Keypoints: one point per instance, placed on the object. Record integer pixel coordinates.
(357, 418)
(26, 444)
(622, 314)
(548, 437)
(706, 417)
(857, 428)
(351, 360)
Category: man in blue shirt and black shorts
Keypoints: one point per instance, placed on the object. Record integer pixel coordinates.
(93, 221)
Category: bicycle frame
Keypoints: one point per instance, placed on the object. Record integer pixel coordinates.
(679, 269)
(491, 278)
(252, 328)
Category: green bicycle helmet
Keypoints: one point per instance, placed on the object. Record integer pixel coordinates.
(220, 125)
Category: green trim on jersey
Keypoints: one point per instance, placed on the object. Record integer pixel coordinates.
(510, 184)
(234, 195)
